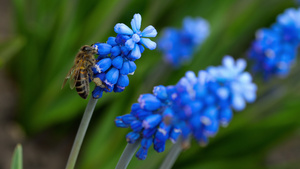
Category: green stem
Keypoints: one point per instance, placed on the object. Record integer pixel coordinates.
(172, 155)
(81, 133)
(127, 154)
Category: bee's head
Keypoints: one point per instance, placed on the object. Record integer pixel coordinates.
(87, 49)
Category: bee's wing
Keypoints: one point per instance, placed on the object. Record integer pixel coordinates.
(75, 73)
(73, 77)
(68, 76)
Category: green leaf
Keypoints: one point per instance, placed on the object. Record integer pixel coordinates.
(10, 48)
(17, 162)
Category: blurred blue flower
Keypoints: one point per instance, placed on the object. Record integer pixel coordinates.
(288, 24)
(195, 106)
(178, 46)
(116, 57)
(232, 77)
(275, 49)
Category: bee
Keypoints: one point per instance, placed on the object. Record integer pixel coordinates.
(81, 71)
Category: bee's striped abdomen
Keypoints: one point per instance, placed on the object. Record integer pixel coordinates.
(82, 83)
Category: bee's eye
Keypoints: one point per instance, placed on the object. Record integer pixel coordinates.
(86, 48)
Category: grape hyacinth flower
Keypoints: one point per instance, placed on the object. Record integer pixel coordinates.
(114, 63)
(195, 106)
(275, 49)
(178, 46)
(116, 57)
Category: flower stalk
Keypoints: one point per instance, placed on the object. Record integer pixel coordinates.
(81, 133)
(127, 154)
(172, 155)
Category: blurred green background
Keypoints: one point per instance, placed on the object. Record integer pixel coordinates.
(41, 38)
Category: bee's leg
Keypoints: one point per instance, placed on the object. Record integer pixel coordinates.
(90, 72)
(96, 80)
(91, 60)
(88, 67)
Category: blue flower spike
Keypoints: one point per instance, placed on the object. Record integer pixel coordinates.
(113, 63)
(178, 45)
(116, 57)
(195, 106)
(275, 49)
